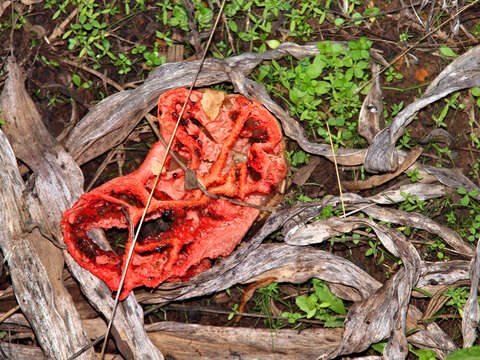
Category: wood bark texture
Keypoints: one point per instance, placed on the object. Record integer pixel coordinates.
(57, 183)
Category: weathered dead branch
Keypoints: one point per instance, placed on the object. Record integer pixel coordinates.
(56, 184)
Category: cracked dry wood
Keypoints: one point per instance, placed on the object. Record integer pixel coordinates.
(56, 184)
(35, 264)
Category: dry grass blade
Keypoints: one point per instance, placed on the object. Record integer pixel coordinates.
(339, 182)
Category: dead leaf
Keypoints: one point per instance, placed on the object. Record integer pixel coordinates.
(371, 120)
(37, 29)
(212, 101)
(301, 175)
(421, 74)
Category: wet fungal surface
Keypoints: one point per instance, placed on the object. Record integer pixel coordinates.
(233, 145)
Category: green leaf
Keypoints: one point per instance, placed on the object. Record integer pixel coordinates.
(445, 50)
(326, 296)
(461, 190)
(333, 322)
(296, 95)
(272, 44)
(292, 317)
(476, 91)
(465, 200)
(424, 354)
(379, 347)
(347, 134)
(358, 73)
(315, 69)
(339, 21)
(72, 43)
(57, 13)
(307, 304)
(337, 48)
(338, 121)
(356, 16)
(472, 353)
(67, 34)
(322, 87)
(76, 80)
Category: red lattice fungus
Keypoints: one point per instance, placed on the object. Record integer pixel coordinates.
(235, 148)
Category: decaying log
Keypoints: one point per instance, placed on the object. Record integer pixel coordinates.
(57, 183)
(23, 352)
(182, 341)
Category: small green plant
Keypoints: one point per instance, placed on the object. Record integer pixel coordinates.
(263, 301)
(458, 298)
(441, 152)
(396, 108)
(77, 81)
(297, 158)
(391, 74)
(88, 36)
(470, 225)
(376, 250)
(438, 247)
(322, 304)
(261, 15)
(49, 62)
(304, 198)
(405, 36)
(412, 203)
(468, 196)
(153, 58)
(324, 89)
(405, 140)
(414, 175)
(327, 212)
(172, 14)
(451, 103)
(123, 63)
(234, 312)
